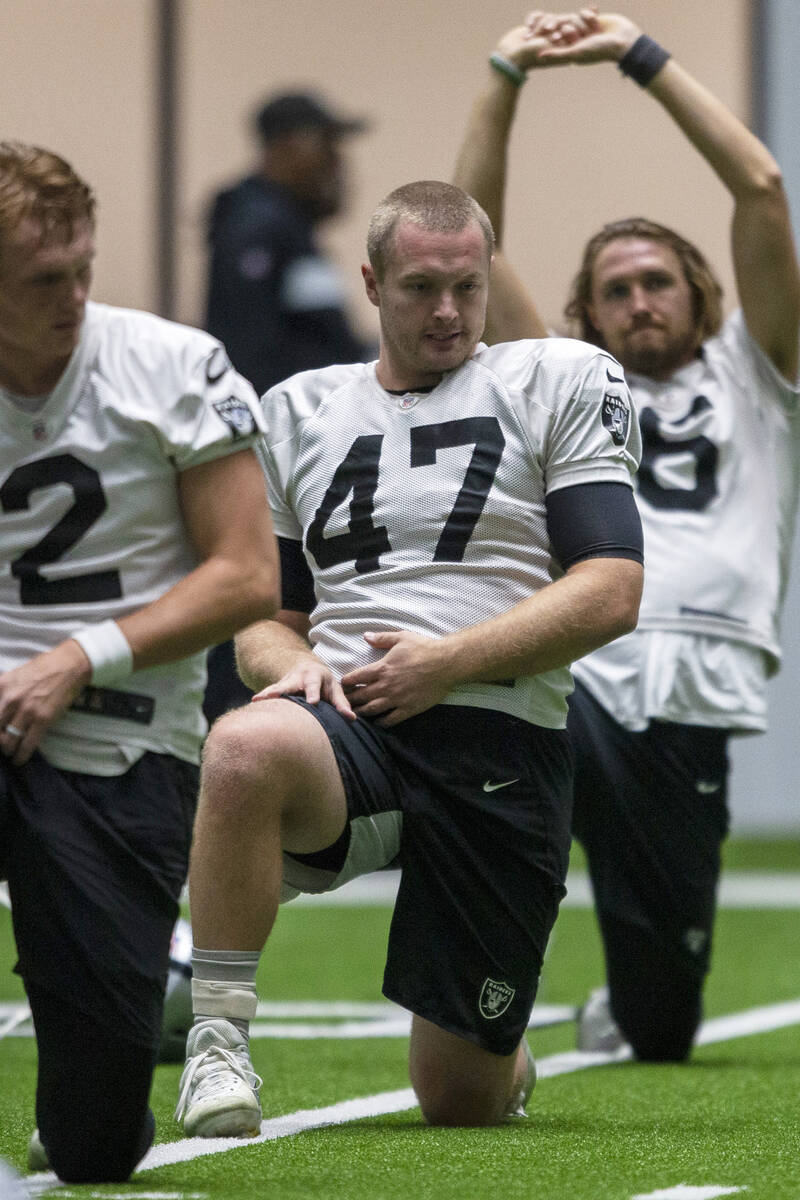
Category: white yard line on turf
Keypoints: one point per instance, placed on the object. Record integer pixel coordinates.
(392, 1021)
(739, 889)
(736, 1025)
(12, 1016)
(685, 1191)
(720, 1029)
(370, 1020)
(137, 1195)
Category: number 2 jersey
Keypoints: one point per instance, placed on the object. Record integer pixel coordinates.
(90, 516)
(426, 511)
(717, 494)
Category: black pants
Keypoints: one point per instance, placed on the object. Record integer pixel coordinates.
(91, 1094)
(651, 813)
(95, 867)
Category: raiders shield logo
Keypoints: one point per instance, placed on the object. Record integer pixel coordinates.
(616, 418)
(495, 998)
(236, 415)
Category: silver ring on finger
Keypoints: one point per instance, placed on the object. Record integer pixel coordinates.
(12, 729)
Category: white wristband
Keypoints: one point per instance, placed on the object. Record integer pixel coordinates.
(108, 650)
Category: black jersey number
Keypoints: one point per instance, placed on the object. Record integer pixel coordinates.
(654, 446)
(89, 504)
(358, 474)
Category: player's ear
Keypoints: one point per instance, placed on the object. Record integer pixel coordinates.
(370, 284)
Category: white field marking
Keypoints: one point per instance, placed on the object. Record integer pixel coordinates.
(389, 1021)
(685, 1191)
(382, 1020)
(736, 1025)
(12, 1016)
(278, 1127)
(136, 1195)
(269, 1009)
(753, 1020)
(738, 889)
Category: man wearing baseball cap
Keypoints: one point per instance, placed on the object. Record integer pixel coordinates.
(272, 291)
(273, 295)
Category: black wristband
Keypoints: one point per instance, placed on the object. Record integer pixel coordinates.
(644, 60)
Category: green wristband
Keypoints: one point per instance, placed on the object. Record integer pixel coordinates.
(506, 67)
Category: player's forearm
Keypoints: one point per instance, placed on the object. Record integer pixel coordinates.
(597, 601)
(764, 255)
(269, 650)
(481, 164)
(743, 163)
(206, 607)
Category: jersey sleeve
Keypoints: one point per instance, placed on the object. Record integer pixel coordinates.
(744, 353)
(211, 410)
(594, 434)
(275, 465)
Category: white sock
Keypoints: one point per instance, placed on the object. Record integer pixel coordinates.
(224, 985)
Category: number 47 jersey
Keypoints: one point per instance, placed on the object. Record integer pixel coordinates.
(426, 511)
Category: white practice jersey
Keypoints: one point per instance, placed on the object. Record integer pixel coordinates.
(425, 512)
(717, 493)
(91, 521)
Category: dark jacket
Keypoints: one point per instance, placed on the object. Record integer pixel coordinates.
(274, 300)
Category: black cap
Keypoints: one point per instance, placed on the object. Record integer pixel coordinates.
(298, 110)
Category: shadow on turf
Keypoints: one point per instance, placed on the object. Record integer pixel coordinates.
(550, 1125)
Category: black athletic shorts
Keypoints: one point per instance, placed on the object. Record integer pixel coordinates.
(477, 804)
(651, 812)
(95, 867)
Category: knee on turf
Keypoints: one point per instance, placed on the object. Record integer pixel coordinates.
(661, 1033)
(100, 1155)
(465, 1108)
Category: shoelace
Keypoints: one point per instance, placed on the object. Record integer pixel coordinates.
(214, 1063)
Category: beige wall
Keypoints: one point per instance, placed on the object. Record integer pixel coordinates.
(588, 146)
(77, 78)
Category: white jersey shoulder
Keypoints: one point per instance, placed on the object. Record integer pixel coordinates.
(717, 492)
(92, 526)
(426, 511)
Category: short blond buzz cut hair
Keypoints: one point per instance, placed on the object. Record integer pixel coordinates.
(40, 186)
(432, 205)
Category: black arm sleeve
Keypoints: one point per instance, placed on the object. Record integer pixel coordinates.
(594, 520)
(297, 582)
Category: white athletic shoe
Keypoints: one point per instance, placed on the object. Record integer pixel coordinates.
(597, 1029)
(219, 1088)
(37, 1155)
(517, 1107)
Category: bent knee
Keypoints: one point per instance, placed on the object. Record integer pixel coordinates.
(74, 1162)
(671, 1045)
(465, 1108)
(246, 743)
(662, 1033)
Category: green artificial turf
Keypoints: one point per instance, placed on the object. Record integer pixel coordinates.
(729, 1118)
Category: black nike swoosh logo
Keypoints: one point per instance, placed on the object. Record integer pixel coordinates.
(613, 378)
(217, 354)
